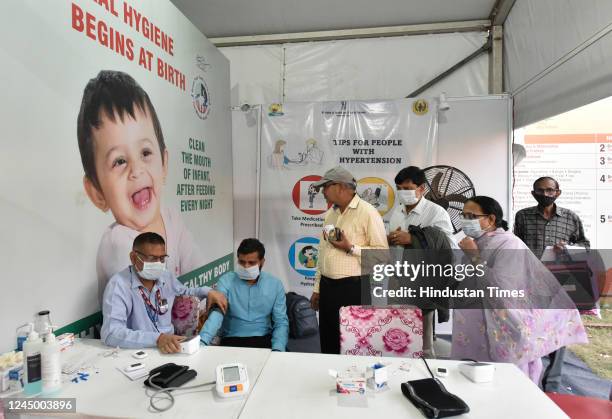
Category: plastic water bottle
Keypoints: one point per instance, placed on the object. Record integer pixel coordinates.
(32, 363)
(51, 365)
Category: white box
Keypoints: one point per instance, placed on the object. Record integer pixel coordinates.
(350, 382)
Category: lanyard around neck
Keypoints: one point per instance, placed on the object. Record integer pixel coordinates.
(153, 312)
(148, 303)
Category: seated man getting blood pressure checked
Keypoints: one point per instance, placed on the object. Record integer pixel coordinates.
(257, 313)
(137, 302)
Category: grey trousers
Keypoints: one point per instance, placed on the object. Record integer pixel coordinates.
(551, 379)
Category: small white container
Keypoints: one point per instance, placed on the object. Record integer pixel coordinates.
(51, 365)
(377, 376)
(478, 372)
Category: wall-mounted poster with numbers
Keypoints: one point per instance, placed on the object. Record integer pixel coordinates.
(575, 148)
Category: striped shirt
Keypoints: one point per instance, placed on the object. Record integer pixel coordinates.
(537, 232)
(364, 228)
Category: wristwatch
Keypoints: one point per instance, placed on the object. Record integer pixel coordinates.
(351, 250)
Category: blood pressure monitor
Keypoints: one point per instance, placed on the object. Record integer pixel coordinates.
(232, 380)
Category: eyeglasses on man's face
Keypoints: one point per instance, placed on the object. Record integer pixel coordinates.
(151, 258)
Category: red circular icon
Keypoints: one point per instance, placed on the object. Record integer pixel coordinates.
(306, 198)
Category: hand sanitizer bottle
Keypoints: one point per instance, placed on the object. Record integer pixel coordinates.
(32, 363)
(51, 365)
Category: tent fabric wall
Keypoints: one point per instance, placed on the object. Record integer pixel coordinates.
(537, 33)
(383, 68)
(256, 73)
(378, 68)
(359, 69)
(244, 156)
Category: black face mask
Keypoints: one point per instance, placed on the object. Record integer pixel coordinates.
(544, 200)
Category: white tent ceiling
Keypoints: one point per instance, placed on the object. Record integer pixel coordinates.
(557, 56)
(555, 51)
(222, 18)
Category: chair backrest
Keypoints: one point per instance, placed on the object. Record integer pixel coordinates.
(381, 331)
(185, 315)
(578, 407)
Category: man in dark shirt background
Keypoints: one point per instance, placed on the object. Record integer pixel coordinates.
(547, 224)
(543, 225)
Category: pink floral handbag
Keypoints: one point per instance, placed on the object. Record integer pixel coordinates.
(185, 315)
(381, 331)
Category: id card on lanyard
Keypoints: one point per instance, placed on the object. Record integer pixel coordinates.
(161, 305)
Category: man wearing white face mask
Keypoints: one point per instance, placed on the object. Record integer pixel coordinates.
(257, 314)
(137, 302)
(415, 209)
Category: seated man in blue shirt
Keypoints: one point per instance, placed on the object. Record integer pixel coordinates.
(137, 302)
(257, 313)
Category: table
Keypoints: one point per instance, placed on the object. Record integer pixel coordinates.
(290, 386)
(108, 392)
(297, 385)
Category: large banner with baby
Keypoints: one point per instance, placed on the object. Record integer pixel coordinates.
(115, 122)
(300, 141)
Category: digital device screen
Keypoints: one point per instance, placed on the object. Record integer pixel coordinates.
(231, 374)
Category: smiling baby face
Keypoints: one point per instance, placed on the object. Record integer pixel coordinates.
(130, 167)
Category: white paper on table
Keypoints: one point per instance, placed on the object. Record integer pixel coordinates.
(135, 375)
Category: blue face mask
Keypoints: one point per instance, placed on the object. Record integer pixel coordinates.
(471, 228)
